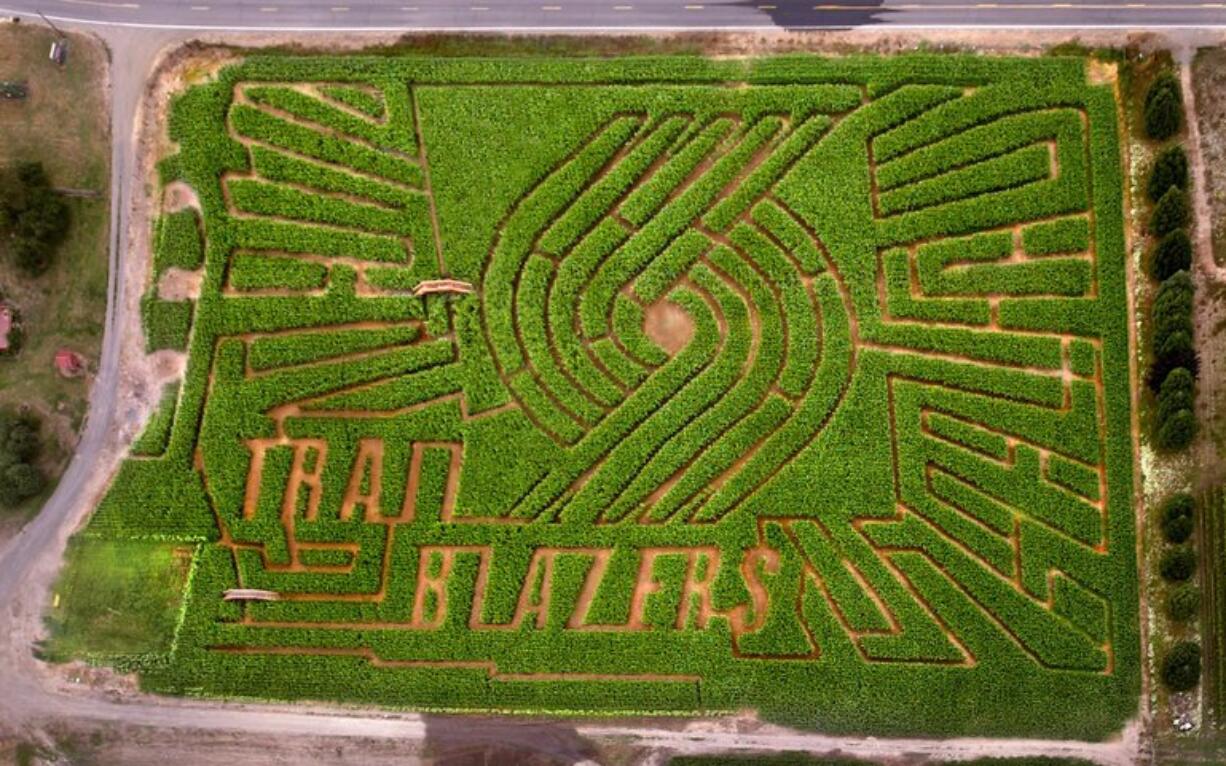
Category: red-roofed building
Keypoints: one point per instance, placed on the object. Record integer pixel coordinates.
(6, 326)
(69, 363)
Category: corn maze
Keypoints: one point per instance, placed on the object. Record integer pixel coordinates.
(655, 385)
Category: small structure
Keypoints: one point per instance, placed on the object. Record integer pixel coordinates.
(250, 594)
(59, 52)
(69, 363)
(6, 326)
(13, 91)
(443, 286)
(68, 191)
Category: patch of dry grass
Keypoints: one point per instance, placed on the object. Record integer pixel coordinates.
(63, 124)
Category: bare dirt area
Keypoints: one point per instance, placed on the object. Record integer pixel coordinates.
(179, 285)
(179, 196)
(668, 326)
(64, 125)
(1207, 76)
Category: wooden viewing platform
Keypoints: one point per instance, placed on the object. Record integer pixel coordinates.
(447, 286)
(251, 594)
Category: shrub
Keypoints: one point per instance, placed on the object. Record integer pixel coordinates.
(1172, 212)
(1175, 394)
(1172, 253)
(19, 445)
(1183, 602)
(18, 439)
(1178, 513)
(34, 217)
(1167, 81)
(1177, 431)
(1170, 170)
(1172, 309)
(1177, 564)
(1163, 113)
(24, 479)
(1175, 352)
(1171, 340)
(1181, 667)
(18, 482)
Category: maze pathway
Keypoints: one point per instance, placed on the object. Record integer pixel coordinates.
(795, 384)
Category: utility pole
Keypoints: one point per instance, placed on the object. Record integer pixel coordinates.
(47, 21)
(59, 48)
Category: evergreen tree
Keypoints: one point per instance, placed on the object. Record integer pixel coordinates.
(1178, 517)
(1172, 253)
(1181, 667)
(1170, 169)
(1163, 107)
(1177, 431)
(1176, 393)
(1172, 212)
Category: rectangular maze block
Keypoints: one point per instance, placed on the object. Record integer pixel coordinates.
(797, 384)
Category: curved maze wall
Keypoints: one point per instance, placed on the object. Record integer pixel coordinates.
(796, 384)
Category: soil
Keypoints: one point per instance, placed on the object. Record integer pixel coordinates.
(179, 196)
(180, 284)
(1205, 101)
(1204, 79)
(668, 326)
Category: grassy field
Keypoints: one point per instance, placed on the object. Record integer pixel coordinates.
(797, 384)
(116, 599)
(65, 125)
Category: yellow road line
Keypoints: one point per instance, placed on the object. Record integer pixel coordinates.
(551, 7)
(694, 7)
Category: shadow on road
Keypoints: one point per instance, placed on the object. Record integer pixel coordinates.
(453, 740)
(790, 14)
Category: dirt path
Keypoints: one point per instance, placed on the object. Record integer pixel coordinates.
(1206, 266)
(1210, 313)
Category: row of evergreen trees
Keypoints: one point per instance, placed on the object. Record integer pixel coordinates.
(1172, 374)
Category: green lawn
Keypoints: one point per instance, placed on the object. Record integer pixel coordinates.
(116, 599)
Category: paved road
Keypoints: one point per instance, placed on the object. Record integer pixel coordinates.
(296, 15)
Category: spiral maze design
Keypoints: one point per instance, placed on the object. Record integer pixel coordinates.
(690, 431)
